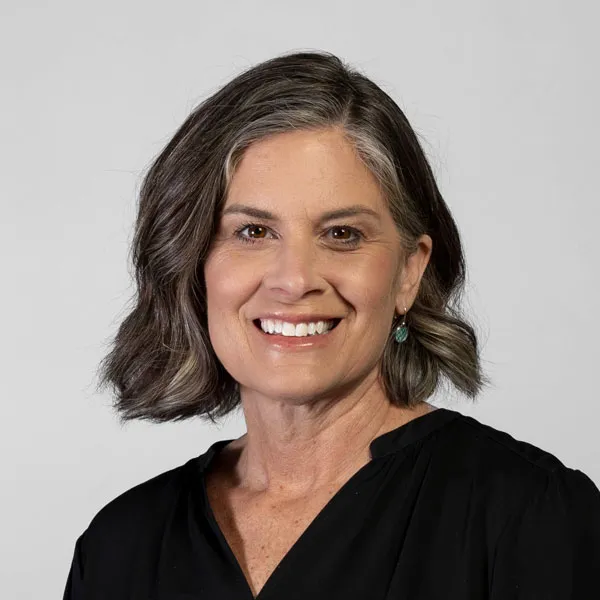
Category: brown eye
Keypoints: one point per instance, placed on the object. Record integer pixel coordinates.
(344, 229)
(255, 229)
(352, 240)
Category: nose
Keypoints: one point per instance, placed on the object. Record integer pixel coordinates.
(293, 269)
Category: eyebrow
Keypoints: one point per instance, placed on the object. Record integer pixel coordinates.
(348, 211)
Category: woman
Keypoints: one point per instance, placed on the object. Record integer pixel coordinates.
(294, 257)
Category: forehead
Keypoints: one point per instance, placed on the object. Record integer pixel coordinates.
(304, 169)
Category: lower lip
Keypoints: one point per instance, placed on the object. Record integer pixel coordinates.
(285, 342)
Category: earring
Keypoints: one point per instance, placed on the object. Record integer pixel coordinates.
(401, 332)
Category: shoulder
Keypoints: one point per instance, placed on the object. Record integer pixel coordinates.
(146, 497)
(501, 445)
(138, 515)
(541, 517)
(514, 471)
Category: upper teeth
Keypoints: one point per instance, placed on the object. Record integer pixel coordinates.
(297, 329)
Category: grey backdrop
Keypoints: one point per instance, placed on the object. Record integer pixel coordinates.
(505, 95)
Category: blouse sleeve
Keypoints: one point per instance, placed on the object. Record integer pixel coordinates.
(551, 551)
(74, 585)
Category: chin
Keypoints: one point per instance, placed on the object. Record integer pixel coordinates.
(296, 393)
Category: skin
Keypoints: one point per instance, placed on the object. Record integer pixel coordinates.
(310, 416)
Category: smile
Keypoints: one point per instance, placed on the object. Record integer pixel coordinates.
(303, 342)
(283, 328)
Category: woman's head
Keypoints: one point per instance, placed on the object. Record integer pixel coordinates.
(296, 136)
(293, 264)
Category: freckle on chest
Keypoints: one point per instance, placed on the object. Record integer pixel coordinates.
(261, 533)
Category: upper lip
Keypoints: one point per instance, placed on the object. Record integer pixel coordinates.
(312, 318)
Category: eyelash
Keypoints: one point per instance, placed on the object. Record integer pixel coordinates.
(351, 243)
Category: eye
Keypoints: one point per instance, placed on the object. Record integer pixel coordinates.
(258, 232)
(253, 227)
(356, 238)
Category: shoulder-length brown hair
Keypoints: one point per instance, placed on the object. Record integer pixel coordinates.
(162, 365)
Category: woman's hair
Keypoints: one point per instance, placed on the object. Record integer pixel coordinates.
(162, 365)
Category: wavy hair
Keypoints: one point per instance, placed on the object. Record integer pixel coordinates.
(162, 366)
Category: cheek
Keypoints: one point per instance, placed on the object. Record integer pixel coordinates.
(368, 284)
(227, 288)
(228, 281)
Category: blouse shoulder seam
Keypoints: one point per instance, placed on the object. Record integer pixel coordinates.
(553, 465)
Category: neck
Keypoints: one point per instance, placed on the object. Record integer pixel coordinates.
(295, 450)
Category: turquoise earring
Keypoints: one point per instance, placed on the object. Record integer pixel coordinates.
(401, 332)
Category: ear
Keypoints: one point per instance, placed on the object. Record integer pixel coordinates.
(412, 272)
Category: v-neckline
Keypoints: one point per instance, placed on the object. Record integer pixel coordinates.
(294, 549)
(394, 440)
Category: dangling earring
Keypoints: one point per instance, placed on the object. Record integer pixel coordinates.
(401, 332)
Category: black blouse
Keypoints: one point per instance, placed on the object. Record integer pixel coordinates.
(447, 508)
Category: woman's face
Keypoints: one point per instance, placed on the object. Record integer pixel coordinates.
(295, 263)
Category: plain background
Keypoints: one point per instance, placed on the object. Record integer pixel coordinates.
(505, 97)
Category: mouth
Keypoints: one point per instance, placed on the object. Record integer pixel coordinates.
(335, 323)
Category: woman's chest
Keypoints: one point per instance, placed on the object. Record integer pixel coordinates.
(261, 533)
